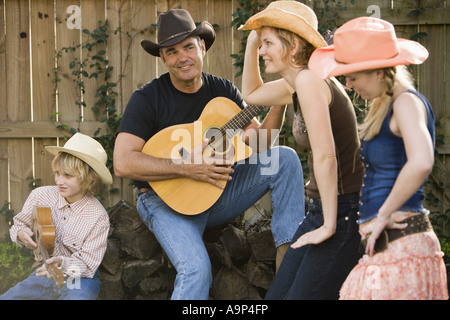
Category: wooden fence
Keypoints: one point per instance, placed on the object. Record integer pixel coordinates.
(33, 31)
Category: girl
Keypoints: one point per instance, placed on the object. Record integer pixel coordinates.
(404, 259)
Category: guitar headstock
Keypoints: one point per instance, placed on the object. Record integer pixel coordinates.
(56, 275)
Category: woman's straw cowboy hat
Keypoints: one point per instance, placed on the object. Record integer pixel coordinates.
(175, 26)
(89, 150)
(365, 43)
(289, 15)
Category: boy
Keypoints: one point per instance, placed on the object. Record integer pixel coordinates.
(81, 223)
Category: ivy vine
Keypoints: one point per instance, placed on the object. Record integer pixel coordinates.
(94, 65)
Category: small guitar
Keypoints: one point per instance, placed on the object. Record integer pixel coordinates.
(44, 230)
(221, 122)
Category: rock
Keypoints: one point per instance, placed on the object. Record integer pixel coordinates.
(136, 268)
(111, 260)
(142, 245)
(260, 274)
(230, 284)
(262, 245)
(125, 218)
(234, 241)
(111, 286)
(160, 281)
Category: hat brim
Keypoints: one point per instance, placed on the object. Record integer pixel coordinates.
(285, 20)
(204, 30)
(324, 65)
(95, 164)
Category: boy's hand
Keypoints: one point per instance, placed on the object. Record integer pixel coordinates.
(42, 271)
(25, 237)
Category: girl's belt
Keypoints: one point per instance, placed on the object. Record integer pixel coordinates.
(416, 224)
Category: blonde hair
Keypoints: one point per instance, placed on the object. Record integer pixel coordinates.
(379, 106)
(88, 179)
(302, 56)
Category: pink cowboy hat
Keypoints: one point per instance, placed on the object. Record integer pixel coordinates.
(365, 43)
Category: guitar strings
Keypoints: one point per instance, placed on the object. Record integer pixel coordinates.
(230, 128)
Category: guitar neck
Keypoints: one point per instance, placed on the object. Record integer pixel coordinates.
(240, 120)
(54, 272)
(43, 251)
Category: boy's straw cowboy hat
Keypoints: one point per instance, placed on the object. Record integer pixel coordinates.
(289, 15)
(365, 43)
(176, 25)
(89, 150)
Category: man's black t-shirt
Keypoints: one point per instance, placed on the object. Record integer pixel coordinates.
(158, 105)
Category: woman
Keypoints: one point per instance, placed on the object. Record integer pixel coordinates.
(326, 244)
(404, 259)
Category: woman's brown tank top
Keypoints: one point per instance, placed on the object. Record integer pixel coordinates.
(346, 140)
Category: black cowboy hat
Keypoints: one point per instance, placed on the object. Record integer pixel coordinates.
(175, 26)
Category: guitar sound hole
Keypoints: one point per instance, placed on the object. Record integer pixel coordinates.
(217, 140)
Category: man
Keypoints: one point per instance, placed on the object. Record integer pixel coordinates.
(180, 96)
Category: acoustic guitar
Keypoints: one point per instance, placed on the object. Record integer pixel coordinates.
(221, 122)
(44, 230)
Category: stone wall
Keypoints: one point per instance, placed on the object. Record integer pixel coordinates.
(135, 267)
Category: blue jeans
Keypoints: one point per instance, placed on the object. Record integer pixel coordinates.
(277, 170)
(43, 288)
(317, 272)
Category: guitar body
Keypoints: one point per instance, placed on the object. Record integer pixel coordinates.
(184, 195)
(44, 231)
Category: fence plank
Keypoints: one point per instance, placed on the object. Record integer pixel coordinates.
(2, 61)
(42, 49)
(236, 45)
(3, 143)
(43, 161)
(446, 92)
(118, 13)
(17, 78)
(68, 91)
(21, 170)
(434, 67)
(143, 65)
(220, 53)
(92, 11)
(4, 195)
(119, 47)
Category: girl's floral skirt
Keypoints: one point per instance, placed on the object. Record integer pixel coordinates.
(411, 268)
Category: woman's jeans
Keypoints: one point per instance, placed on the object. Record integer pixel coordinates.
(317, 272)
(277, 170)
(43, 288)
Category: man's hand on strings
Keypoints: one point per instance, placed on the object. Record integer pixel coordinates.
(211, 168)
